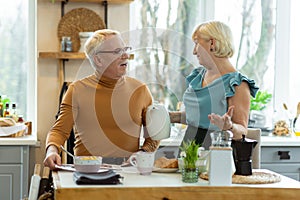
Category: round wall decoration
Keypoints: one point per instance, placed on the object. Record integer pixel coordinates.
(78, 20)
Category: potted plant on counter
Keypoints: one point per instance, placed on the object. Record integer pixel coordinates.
(190, 156)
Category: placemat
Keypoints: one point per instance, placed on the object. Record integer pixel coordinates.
(255, 178)
(78, 20)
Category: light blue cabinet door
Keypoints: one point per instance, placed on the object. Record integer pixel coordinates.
(14, 164)
(10, 185)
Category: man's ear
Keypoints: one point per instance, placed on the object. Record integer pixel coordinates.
(97, 60)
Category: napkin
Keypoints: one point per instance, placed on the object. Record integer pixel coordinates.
(108, 177)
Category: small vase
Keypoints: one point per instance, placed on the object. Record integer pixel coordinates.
(190, 175)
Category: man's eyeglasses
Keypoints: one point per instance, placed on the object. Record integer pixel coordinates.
(118, 51)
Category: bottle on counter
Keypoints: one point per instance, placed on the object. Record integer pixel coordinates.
(20, 119)
(14, 113)
(6, 111)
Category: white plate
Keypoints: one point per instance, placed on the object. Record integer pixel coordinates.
(165, 170)
(70, 167)
(66, 167)
(130, 169)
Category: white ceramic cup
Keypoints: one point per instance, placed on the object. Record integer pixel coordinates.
(143, 161)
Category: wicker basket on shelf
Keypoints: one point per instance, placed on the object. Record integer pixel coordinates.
(78, 20)
(9, 128)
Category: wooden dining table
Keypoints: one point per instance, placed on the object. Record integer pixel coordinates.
(167, 186)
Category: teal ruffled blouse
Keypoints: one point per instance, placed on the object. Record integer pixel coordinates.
(201, 101)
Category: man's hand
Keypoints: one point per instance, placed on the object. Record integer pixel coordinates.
(52, 158)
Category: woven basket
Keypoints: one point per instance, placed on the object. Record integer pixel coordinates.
(21, 133)
(78, 20)
(255, 178)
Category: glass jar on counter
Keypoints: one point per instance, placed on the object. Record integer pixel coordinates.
(282, 123)
(66, 44)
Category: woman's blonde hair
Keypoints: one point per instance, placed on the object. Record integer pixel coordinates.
(94, 42)
(224, 46)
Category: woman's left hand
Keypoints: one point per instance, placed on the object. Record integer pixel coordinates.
(223, 122)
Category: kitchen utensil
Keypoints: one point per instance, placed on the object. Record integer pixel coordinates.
(143, 161)
(298, 113)
(242, 153)
(221, 138)
(87, 164)
(158, 122)
(285, 106)
(220, 156)
(62, 148)
(44, 182)
(289, 115)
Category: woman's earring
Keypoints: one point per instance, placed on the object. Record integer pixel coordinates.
(211, 49)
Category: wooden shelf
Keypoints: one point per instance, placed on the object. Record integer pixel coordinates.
(62, 55)
(99, 1)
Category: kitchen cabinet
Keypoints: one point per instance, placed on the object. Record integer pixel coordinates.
(281, 154)
(14, 164)
(284, 160)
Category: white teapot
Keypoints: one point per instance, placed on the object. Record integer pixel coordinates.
(158, 122)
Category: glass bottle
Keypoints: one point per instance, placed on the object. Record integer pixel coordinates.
(68, 44)
(297, 127)
(14, 114)
(6, 111)
(63, 44)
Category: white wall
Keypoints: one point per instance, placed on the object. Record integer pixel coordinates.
(48, 86)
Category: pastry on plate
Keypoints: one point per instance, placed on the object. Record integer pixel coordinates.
(164, 162)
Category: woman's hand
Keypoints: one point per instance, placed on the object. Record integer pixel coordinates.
(223, 122)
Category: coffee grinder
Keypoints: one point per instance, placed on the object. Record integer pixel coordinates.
(242, 155)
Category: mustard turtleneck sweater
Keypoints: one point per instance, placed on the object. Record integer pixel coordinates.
(107, 116)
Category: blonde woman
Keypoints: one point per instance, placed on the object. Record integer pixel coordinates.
(217, 95)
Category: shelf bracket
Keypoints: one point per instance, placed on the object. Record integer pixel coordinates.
(62, 7)
(105, 5)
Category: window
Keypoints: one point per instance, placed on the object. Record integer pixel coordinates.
(266, 40)
(18, 55)
(294, 68)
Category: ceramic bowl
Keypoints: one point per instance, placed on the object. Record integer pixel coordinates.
(87, 164)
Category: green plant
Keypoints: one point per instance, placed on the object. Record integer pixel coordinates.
(4, 101)
(190, 155)
(260, 101)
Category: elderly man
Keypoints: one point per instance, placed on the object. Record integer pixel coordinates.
(106, 109)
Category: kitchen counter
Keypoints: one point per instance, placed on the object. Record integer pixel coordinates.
(271, 140)
(30, 140)
(267, 139)
(169, 186)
